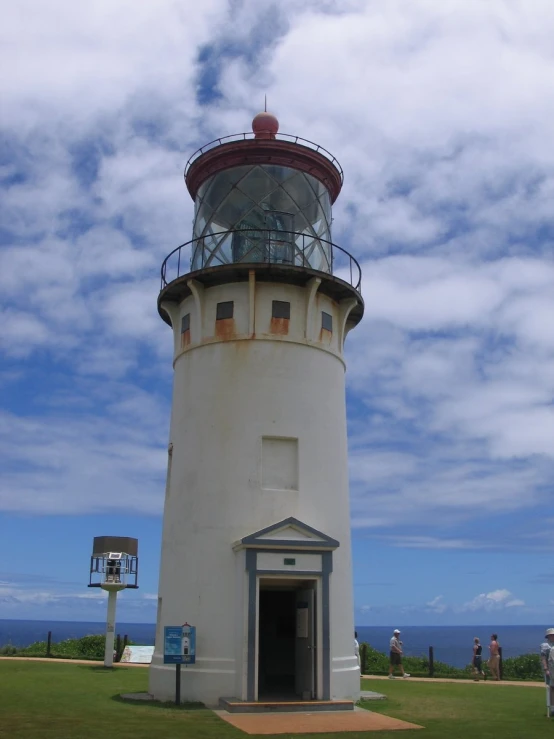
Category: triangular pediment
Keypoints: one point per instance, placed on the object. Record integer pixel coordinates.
(288, 534)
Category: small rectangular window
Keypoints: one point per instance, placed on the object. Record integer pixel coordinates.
(224, 310)
(326, 321)
(185, 323)
(280, 309)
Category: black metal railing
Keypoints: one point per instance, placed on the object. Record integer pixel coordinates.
(261, 246)
(279, 136)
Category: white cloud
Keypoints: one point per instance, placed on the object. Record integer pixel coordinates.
(61, 602)
(86, 464)
(447, 203)
(495, 600)
(437, 605)
(88, 61)
(433, 542)
(15, 596)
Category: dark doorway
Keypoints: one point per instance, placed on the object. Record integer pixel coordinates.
(277, 632)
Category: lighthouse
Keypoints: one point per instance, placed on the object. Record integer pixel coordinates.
(256, 550)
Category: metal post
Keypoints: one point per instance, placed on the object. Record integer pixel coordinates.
(178, 684)
(431, 662)
(363, 658)
(500, 665)
(110, 629)
(49, 644)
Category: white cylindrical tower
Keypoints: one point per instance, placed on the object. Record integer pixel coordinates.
(256, 539)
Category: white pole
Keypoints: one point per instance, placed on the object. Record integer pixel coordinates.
(110, 628)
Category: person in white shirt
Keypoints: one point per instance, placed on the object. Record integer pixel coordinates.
(396, 655)
(547, 664)
(357, 648)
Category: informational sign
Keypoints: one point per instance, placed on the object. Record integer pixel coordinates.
(137, 655)
(180, 645)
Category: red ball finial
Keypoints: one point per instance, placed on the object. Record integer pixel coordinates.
(265, 125)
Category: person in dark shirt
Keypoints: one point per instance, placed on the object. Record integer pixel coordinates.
(477, 660)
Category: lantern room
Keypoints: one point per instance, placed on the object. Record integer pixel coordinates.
(263, 197)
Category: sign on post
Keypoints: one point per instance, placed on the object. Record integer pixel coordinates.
(180, 645)
(179, 649)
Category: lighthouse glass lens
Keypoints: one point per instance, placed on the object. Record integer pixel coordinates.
(262, 213)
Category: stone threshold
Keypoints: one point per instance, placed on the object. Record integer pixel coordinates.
(235, 705)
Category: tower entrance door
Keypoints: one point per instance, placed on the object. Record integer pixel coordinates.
(287, 639)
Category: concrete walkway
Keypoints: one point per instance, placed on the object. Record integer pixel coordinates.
(520, 684)
(55, 660)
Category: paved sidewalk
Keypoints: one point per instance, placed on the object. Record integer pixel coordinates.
(55, 660)
(521, 684)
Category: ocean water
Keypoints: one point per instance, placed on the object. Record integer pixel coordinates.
(452, 644)
(23, 633)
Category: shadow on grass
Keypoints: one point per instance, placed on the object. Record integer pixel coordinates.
(165, 705)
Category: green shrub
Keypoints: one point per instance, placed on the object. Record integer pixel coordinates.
(87, 647)
(7, 650)
(372, 661)
(92, 647)
(525, 667)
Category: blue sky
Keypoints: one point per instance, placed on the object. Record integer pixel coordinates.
(441, 116)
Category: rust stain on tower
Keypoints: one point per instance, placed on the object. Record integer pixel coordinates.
(185, 339)
(280, 326)
(225, 328)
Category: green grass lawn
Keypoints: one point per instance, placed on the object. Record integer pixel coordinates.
(65, 701)
(474, 711)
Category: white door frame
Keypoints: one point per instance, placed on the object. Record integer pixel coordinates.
(321, 576)
(318, 624)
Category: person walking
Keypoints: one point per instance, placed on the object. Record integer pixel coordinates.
(477, 660)
(494, 658)
(395, 655)
(357, 649)
(547, 664)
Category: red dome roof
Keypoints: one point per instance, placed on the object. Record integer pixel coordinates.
(265, 125)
